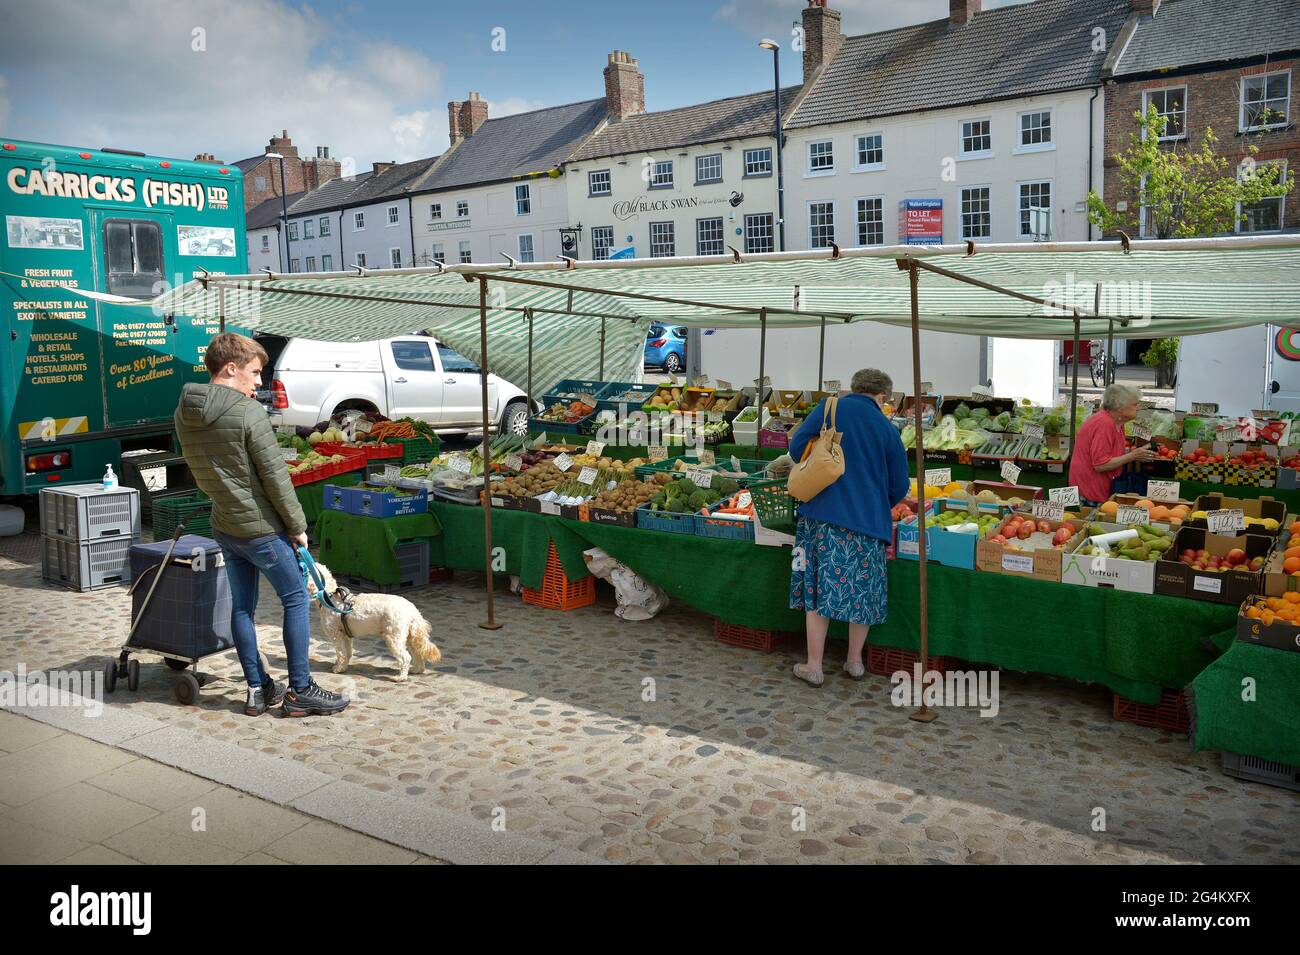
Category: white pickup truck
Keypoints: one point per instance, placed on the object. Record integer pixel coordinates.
(307, 381)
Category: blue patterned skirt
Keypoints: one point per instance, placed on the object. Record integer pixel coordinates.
(839, 573)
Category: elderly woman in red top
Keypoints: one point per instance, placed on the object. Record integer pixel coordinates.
(1100, 451)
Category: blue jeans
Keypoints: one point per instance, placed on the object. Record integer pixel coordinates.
(273, 556)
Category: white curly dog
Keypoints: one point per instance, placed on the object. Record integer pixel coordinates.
(378, 615)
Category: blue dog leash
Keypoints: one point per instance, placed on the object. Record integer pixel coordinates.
(309, 570)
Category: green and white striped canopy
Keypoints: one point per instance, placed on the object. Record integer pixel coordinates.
(1147, 289)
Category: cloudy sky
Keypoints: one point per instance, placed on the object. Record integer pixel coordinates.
(371, 80)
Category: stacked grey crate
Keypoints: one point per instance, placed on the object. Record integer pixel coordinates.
(87, 533)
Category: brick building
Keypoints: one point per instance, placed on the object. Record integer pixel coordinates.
(262, 178)
(1216, 64)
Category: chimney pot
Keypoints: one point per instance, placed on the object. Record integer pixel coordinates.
(961, 11)
(821, 36)
(624, 87)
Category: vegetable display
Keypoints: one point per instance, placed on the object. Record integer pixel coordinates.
(567, 414)
(682, 496)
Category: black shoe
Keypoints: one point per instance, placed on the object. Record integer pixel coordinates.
(270, 693)
(313, 701)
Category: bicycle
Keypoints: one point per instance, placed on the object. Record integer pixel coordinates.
(1098, 363)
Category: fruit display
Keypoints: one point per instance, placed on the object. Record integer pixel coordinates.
(312, 460)
(562, 413)
(1206, 562)
(667, 398)
(902, 511)
(1201, 457)
(1023, 533)
(1256, 524)
(730, 401)
(1156, 513)
(621, 468)
(299, 444)
(538, 479)
(625, 496)
(1149, 545)
(1253, 460)
(987, 496)
(961, 522)
(1165, 453)
(1270, 610)
(328, 435)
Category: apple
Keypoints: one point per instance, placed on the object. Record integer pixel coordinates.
(998, 539)
(1026, 530)
(1257, 563)
(1236, 556)
(1190, 553)
(1045, 527)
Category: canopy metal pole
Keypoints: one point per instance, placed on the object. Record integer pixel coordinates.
(1109, 377)
(762, 357)
(529, 313)
(924, 714)
(821, 357)
(221, 308)
(602, 350)
(491, 623)
(1074, 393)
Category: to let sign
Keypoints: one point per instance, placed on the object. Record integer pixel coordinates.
(920, 221)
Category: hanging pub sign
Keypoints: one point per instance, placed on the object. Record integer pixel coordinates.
(920, 221)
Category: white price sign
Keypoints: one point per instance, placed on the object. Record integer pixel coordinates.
(832, 384)
(1229, 435)
(927, 387)
(587, 476)
(564, 462)
(361, 426)
(744, 500)
(715, 417)
(391, 473)
(1034, 432)
(1132, 515)
(735, 465)
(1200, 408)
(514, 462)
(1226, 521)
(1141, 432)
(1010, 473)
(724, 385)
(981, 391)
(767, 380)
(595, 448)
(1018, 563)
(1163, 490)
(708, 456)
(1068, 496)
(541, 438)
(1048, 510)
(701, 476)
(550, 507)
(460, 464)
(658, 452)
(587, 399)
(938, 477)
(291, 454)
(699, 381)
(1211, 585)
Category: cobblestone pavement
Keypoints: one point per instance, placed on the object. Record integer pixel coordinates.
(731, 761)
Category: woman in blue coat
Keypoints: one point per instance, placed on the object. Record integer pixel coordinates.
(838, 569)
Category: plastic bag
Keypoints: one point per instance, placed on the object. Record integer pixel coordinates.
(638, 599)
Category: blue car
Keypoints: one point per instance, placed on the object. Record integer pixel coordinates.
(665, 347)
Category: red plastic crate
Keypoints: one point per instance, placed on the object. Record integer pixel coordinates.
(351, 462)
(558, 591)
(438, 574)
(370, 452)
(747, 637)
(886, 661)
(1169, 714)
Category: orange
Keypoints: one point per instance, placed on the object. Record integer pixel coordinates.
(1148, 505)
(1109, 508)
(1290, 566)
(1253, 613)
(1292, 552)
(1291, 597)
(1295, 528)
(1159, 513)
(1274, 603)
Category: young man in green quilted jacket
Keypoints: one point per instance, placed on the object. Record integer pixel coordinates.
(256, 518)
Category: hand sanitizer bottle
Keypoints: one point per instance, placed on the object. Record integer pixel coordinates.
(110, 479)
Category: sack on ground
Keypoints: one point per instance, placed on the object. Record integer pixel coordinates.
(638, 599)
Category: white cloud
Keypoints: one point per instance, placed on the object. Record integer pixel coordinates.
(512, 105)
(124, 73)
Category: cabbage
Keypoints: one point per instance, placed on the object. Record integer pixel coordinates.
(967, 424)
(1001, 421)
(961, 411)
(980, 414)
(909, 436)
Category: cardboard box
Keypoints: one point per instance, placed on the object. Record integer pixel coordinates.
(786, 398)
(369, 501)
(1042, 563)
(1003, 490)
(1136, 576)
(1176, 579)
(338, 498)
(696, 399)
(929, 404)
(776, 434)
(1279, 635)
(1275, 581)
(1260, 508)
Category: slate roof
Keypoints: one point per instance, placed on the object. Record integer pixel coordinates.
(390, 183)
(334, 194)
(243, 165)
(514, 146)
(730, 118)
(267, 213)
(1013, 51)
(1186, 33)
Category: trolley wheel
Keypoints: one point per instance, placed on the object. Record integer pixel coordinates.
(110, 676)
(187, 688)
(176, 664)
(133, 675)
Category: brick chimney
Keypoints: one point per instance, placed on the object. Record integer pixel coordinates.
(283, 145)
(821, 36)
(961, 11)
(624, 87)
(383, 167)
(320, 169)
(1144, 8)
(465, 118)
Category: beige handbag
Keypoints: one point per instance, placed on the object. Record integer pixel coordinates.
(823, 460)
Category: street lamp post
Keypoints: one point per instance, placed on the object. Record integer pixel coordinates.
(776, 123)
(284, 209)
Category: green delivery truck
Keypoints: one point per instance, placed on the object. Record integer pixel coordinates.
(84, 380)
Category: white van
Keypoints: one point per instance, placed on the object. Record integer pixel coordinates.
(307, 381)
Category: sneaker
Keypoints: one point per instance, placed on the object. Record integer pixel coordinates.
(270, 693)
(313, 701)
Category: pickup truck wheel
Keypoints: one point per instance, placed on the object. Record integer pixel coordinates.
(515, 420)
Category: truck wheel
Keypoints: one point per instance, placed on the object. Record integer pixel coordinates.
(515, 420)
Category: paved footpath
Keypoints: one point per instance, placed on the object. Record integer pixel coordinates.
(650, 742)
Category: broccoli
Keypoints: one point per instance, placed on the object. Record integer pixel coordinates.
(657, 501)
(727, 486)
(673, 490)
(698, 500)
(677, 505)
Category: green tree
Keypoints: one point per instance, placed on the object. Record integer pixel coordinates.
(1185, 191)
